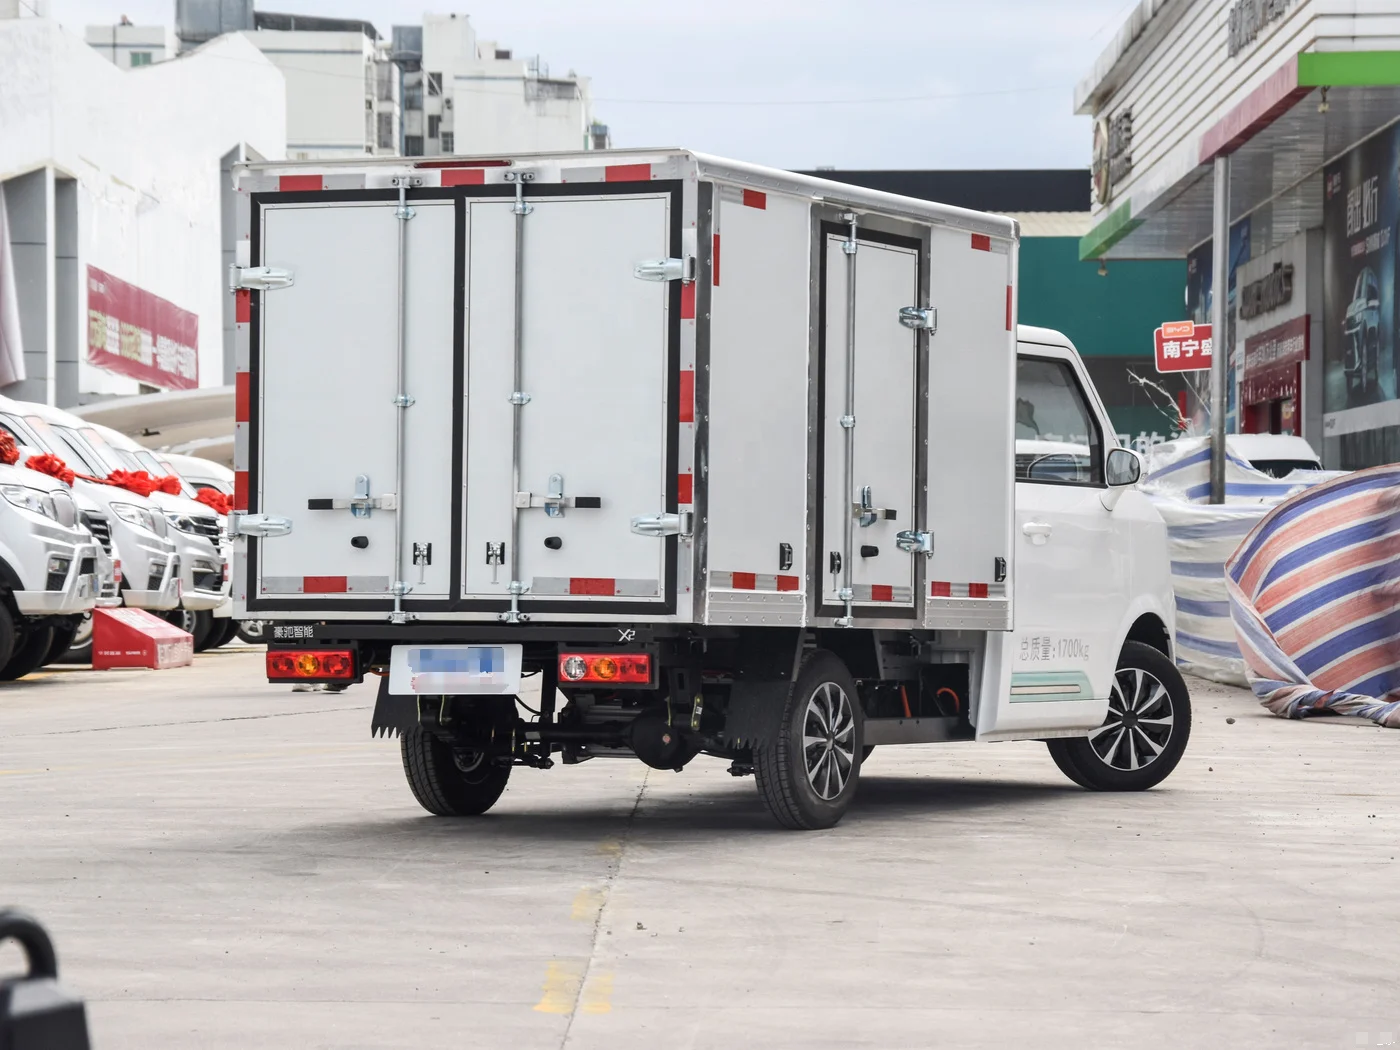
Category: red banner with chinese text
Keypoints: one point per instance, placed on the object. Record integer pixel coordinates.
(137, 334)
(1183, 346)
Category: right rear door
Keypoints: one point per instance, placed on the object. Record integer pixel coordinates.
(597, 360)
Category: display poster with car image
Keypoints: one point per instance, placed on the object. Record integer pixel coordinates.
(1361, 202)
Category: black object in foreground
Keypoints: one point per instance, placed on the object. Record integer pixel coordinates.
(36, 1013)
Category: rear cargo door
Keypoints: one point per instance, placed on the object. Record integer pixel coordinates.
(883, 380)
(325, 423)
(560, 465)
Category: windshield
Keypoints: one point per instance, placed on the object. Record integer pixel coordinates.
(91, 439)
(72, 452)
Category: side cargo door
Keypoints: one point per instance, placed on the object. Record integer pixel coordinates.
(324, 430)
(573, 320)
(869, 393)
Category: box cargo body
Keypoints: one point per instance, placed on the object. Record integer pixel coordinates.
(633, 389)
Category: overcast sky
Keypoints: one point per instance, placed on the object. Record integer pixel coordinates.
(792, 83)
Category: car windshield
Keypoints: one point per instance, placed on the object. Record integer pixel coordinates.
(1281, 468)
(73, 451)
(157, 469)
(97, 451)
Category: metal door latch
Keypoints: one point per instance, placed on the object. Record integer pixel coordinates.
(919, 318)
(361, 504)
(866, 514)
(554, 501)
(242, 523)
(914, 542)
(663, 524)
(258, 278)
(422, 557)
(665, 269)
(495, 557)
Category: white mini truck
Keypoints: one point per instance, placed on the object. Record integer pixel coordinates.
(738, 462)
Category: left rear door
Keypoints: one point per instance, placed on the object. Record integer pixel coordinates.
(324, 374)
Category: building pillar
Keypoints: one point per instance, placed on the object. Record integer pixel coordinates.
(1220, 358)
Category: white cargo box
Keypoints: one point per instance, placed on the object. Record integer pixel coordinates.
(631, 387)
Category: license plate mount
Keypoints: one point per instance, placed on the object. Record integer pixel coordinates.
(455, 670)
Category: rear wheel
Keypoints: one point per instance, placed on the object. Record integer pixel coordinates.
(224, 632)
(63, 636)
(203, 630)
(29, 654)
(251, 631)
(80, 649)
(9, 636)
(448, 781)
(807, 776)
(1145, 733)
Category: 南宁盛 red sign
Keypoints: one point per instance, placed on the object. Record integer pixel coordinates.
(1184, 346)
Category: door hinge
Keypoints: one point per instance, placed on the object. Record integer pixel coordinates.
(663, 524)
(919, 318)
(258, 278)
(914, 542)
(241, 523)
(666, 269)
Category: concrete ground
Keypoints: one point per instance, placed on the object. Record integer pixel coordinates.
(227, 864)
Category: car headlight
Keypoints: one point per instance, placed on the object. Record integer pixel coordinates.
(35, 500)
(138, 516)
(183, 522)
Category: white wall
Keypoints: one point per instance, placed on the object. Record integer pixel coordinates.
(496, 113)
(144, 148)
(328, 78)
(117, 43)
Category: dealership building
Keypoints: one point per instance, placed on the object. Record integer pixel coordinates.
(1279, 121)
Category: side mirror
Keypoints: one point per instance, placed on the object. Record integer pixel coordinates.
(1122, 468)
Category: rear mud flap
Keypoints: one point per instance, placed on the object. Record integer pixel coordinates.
(393, 715)
(754, 716)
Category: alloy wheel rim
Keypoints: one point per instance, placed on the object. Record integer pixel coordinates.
(828, 740)
(1140, 721)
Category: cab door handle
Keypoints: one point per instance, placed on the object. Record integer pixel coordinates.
(1038, 531)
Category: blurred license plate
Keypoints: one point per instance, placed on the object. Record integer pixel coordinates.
(454, 669)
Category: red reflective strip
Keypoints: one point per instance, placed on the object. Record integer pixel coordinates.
(292, 183)
(714, 266)
(240, 490)
(744, 581)
(688, 301)
(686, 412)
(977, 590)
(981, 242)
(627, 173)
(942, 590)
(1008, 307)
(242, 306)
(324, 585)
(881, 593)
(592, 585)
(684, 488)
(241, 391)
(755, 199)
(788, 583)
(463, 176)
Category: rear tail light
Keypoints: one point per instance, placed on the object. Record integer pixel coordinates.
(310, 664)
(606, 668)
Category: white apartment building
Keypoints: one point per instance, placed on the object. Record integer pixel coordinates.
(119, 210)
(131, 46)
(465, 95)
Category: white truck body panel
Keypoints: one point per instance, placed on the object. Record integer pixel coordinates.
(715, 395)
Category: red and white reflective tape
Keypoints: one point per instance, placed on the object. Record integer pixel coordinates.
(939, 589)
(594, 587)
(753, 581)
(878, 592)
(325, 585)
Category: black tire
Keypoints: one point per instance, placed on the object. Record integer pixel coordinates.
(444, 786)
(251, 631)
(203, 630)
(80, 649)
(1147, 727)
(63, 636)
(787, 770)
(223, 632)
(9, 636)
(29, 655)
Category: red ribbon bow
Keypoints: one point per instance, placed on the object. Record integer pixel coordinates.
(215, 500)
(9, 451)
(48, 463)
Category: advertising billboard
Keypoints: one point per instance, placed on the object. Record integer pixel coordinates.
(137, 334)
(1361, 202)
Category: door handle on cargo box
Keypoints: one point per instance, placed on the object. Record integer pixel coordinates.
(260, 525)
(1038, 531)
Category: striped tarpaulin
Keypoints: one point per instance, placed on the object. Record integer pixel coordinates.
(1315, 599)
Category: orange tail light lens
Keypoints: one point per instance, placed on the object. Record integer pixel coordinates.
(606, 668)
(310, 665)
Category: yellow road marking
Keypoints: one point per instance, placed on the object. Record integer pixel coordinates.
(610, 847)
(597, 994)
(561, 985)
(587, 905)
